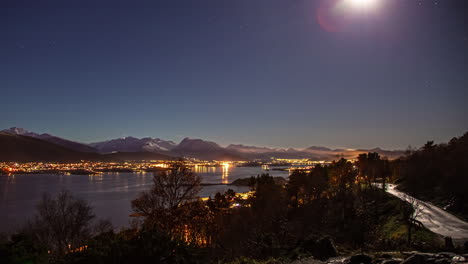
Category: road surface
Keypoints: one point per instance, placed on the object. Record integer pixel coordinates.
(434, 218)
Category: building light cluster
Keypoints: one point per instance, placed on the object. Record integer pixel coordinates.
(84, 167)
(198, 166)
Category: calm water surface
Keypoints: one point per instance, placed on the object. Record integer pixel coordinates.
(110, 194)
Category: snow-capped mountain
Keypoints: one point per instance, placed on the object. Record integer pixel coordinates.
(254, 152)
(198, 148)
(20, 131)
(132, 144)
(252, 149)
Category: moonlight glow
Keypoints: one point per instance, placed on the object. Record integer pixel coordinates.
(362, 4)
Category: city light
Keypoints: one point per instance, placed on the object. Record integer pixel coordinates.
(198, 166)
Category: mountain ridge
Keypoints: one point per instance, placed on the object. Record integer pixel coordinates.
(132, 144)
(50, 138)
(19, 148)
(197, 148)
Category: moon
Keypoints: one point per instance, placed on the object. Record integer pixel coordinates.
(362, 4)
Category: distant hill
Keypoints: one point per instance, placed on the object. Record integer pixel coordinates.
(252, 152)
(131, 148)
(330, 154)
(314, 152)
(204, 150)
(252, 149)
(316, 148)
(50, 138)
(390, 154)
(24, 149)
(67, 143)
(28, 149)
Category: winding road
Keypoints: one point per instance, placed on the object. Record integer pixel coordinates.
(434, 218)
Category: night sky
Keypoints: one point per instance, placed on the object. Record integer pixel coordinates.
(283, 73)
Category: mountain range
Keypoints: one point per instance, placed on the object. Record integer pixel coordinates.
(18, 144)
(52, 139)
(131, 144)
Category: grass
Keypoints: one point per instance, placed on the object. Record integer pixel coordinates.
(395, 229)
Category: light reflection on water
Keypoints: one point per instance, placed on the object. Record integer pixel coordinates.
(225, 174)
(109, 193)
(200, 170)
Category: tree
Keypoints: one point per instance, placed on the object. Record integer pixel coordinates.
(317, 182)
(369, 166)
(62, 223)
(410, 212)
(437, 172)
(304, 187)
(343, 177)
(22, 248)
(220, 201)
(295, 187)
(130, 246)
(269, 233)
(164, 205)
(385, 172)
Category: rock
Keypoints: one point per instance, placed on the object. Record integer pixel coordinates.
(327, 248)
(310, 260)
(449, 243)
(426, 255)
(360, 259)
(416, 259)
(378, 260)
(458, 259)
(446, 255)
(410, 253)
(442, 261)
(321, 249)
(337, 260)
(391, 261)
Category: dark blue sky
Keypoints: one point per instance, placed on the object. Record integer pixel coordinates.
(261, 72)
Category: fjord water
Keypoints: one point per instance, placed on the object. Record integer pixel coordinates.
(110, 194)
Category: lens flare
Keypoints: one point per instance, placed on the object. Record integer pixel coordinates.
(337, 15)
